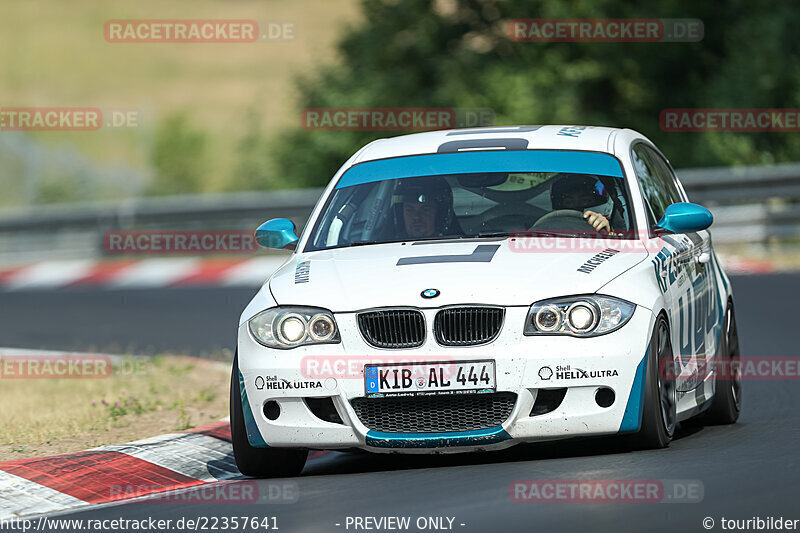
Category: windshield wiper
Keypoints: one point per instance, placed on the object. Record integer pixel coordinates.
(488, 235)
(528, 233)
(521, 233)
(552, 233)
(359, 243)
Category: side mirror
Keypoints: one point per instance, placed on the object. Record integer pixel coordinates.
(279, 233)
(685, 217)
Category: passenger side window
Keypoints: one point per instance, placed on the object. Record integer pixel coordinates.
(666, 175)
(658, 188)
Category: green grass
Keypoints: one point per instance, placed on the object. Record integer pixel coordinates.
(53, 53)
(48, 416)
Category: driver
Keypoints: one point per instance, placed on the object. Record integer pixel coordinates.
(580, 192)
(426, 207)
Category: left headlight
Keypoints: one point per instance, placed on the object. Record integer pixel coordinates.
(289, 327)
(579, 316)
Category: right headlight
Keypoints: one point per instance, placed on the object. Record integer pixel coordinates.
(578, 316)
(289, 327)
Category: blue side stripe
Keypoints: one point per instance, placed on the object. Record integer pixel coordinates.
(486, 161)
(253, 434)
(632, 419)
(478, 437)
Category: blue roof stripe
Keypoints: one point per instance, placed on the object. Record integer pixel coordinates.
(482, 161)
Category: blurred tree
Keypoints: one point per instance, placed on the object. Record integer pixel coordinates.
(457, 53)
(252, 171)
(255, 166)
(178, 157)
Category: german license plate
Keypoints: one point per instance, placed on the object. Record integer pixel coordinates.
(411, 379)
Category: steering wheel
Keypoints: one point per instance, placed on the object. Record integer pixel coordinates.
(566, 219)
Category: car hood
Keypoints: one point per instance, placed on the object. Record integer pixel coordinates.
(489, 272)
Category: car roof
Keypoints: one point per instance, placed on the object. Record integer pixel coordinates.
(564, 137)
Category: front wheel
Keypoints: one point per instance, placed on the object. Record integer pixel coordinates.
(258, 462)
(659, 416)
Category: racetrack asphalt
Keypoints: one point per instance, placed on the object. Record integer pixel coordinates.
(192, 321)
(750, 469)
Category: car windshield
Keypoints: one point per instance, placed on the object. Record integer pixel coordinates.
(473, 195)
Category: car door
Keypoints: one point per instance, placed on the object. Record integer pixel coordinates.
(707, 314)
(680, 266)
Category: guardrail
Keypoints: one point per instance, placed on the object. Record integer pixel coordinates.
(754, 204)
(735, 185)
(750, 205)
(76, 230)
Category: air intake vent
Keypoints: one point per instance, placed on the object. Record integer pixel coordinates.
(393, 328)
(547, 401)
(434, 414)
(302, 272)
(468, 326)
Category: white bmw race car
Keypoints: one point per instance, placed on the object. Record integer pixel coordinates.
(469, 290)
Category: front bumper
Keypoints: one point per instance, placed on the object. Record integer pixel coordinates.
(524, 366)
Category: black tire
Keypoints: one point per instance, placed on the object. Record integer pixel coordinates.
(258, 462)
(727, 401)
(659, 416)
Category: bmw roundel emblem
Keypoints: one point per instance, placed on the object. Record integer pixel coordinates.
(430, 293)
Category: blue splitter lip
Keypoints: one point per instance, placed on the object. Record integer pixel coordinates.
(477, 437)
